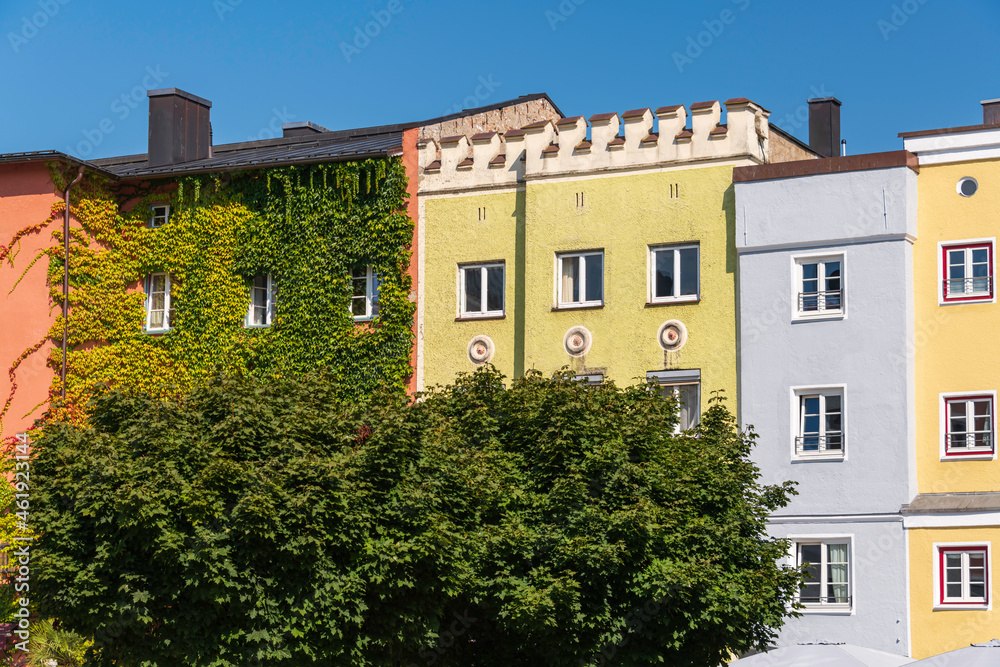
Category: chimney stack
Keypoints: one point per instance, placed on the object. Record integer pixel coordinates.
(991, 112)
(824, 126)
(179, 127)
(301, 129)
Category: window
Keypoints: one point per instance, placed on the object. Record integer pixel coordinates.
(159, 215)
(968, 425)
(364, 293)
(262, 298)
(820, 286)
(820, 423)
(581, 279)
(967, 272)
(482, 290)
(963, 574)
(685, 386)
(591, 380)
(828, 574)
(159, 302)
(673, 274)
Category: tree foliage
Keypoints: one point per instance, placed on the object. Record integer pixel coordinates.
(545, 523)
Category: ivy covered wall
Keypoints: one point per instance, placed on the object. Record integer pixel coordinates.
(307, 226)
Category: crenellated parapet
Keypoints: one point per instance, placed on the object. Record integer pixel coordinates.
(616, 142)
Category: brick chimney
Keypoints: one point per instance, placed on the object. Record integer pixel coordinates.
(991, 112)
(824, 126)
(179, 127)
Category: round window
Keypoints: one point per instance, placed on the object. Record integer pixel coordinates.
(967, 186)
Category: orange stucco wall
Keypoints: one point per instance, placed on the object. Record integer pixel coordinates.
(26, 313)
(411, 165)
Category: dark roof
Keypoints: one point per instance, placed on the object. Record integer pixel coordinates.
(336, 146)
(830, 165)
(310, 149)
(50, 156)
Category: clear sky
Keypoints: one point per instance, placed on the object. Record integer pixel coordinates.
(73, 73)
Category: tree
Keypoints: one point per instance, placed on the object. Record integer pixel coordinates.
(545, 523)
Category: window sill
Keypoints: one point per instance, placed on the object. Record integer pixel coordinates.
(819, 457)
(258, 326)
(582, 306)
(830, 610)
(364, 319)
(157, 332)
(961, 606)
(479, 318)
(825, 315)
(971, 299)
(978, 456)
(672, 302)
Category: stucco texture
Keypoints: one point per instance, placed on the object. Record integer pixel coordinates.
(454, 235)
(26, 198)
(937, 631)
(624, 215)
(955, 344)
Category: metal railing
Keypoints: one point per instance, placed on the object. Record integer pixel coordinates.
(975, 441)
(826, 600)
(820, 444)
(964, 287)
(818, 302)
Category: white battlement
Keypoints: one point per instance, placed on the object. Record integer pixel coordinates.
(557, 147)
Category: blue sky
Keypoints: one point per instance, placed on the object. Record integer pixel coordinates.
(73, 73)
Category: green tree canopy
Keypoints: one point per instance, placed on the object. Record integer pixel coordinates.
(546, 523)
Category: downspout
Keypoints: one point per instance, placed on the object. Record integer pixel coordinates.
(65, 304)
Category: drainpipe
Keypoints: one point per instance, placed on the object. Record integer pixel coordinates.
(65, 304)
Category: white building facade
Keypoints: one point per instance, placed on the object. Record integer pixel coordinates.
(827, 379)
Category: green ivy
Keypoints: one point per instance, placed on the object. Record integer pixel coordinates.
(307, 226)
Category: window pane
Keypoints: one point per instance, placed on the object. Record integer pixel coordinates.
(494, 288)
(956, 263)
(358, 306)
(473, 290)
(689, 271)
(953, 590)
(664, 273)
(359, 285)
(687, 394)
(595, 277)
(570, 280)
(376, 284)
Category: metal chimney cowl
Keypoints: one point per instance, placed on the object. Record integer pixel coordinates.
(179, 127)
(991, 112)
(824, 126)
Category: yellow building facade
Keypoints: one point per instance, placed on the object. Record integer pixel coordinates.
(610, 247)
(953, 523)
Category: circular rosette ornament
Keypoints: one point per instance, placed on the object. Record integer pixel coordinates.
(577, 341)
(481, 350)
(672, 335)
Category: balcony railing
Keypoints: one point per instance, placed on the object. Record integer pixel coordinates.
(820, 444)
(958, 288)
(818, 302)
(971, 441)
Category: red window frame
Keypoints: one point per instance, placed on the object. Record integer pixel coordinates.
(944, 272)
(986, 575)
(947, 425)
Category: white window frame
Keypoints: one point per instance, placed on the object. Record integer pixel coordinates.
(155, 214)
(965, 603)
(372, 283)
(672, 381)
(168, 306)
(583, 255)
(676, 297)
(796, 422)
(462, 308)
(974, 455)
(269, 302)
(798, 262)
(831, 608)
(943, 247)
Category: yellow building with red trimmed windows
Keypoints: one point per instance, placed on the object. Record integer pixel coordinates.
(953, 523)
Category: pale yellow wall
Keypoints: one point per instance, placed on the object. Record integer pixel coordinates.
(935, 632)
(624, 215)
(454, 235)
(955, 344)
